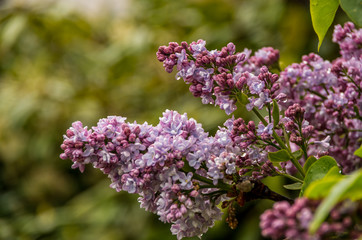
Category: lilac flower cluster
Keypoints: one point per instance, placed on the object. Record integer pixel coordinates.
(254, 159)
(349, 39)
(291, 221)
(218, 77)
(181, 173)
(151, 162)
(300, 130)
(330, 93)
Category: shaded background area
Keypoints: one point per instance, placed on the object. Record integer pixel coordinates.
(62, 61)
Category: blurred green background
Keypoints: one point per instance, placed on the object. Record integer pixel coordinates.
(63, 61)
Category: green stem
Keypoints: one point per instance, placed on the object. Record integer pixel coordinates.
(215, 193)
(269, 111)
(220, 185)
(261, 191)
(291, 177)
(304, 145)
(304, 149)
(280, 141)
(209, 182)
(325, 88)
(354, 130)
(259, 116)
(351, 79)
(281, 144)
(316, 93)
(286, 137)
(293, 159)
(207, 186)
(272, 144)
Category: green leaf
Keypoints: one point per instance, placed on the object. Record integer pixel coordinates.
(309, 163)
(298, 154)
(334, 171)
(355, 191)
(279, 156)
(12, 30)
(353, 8)
(336, 194)
(244, 98)
(358, 152)
(317, 171)
(293, 186)
(275, 112)
(320, 188)
(286, 136)
(322, 13)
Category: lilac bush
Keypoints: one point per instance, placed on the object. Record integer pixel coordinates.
(185, 176)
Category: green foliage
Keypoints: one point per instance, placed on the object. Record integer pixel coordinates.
(322, 13)
(333, 172)
(243, 98)
(298, 154)
(276, 113)
(331, 186)
(309, 162)
(317, 170)
(321, 187)
(358, 152)
(279, 156)
(283, 156)
(353, 8)
(293, 186)
(334, 188)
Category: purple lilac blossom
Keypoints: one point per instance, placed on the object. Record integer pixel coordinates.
(265, 131)
(148, 160)
(253, 159)
(265, 56)
(330, 93)
(322, 106)
(291, 221)
(223, 155)
(217, 77)
(349, 40)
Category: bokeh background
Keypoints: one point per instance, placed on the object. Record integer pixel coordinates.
(66, 60)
